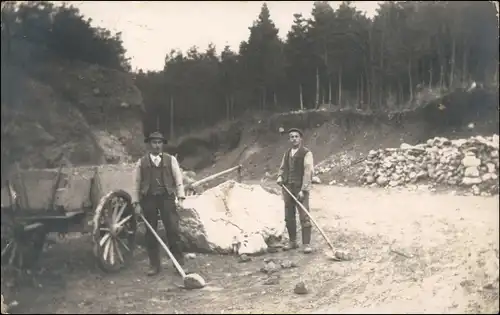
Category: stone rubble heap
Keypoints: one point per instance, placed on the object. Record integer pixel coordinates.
(471, 163)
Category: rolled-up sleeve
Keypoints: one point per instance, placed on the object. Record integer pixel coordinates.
(308, 171)
(177, 173)
(137, 190)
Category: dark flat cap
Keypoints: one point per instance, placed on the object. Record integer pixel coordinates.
(296, 130)
(155, 135)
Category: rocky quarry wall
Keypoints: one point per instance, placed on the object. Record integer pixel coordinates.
(91, 114)
(471, 163)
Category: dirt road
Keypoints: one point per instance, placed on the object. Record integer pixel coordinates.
(413, 252)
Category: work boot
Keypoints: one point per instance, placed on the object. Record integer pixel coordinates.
(153, 270)
(291, 245)
(306, 240)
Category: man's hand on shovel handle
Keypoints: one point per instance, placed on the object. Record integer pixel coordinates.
(300, 195)
(180, 202)
(137, 208)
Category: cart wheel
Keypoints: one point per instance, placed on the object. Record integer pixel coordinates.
(115, 227)
(22, 243)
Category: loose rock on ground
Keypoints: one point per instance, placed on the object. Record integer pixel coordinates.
(300, 288)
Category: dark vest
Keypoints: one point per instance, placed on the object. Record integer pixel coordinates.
(294, 166)
(157, 180)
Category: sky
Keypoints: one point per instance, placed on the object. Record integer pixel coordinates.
(151, 29)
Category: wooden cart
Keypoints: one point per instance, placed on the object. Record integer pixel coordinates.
(112, 223)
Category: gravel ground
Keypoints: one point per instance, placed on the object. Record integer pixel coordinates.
(412, 252)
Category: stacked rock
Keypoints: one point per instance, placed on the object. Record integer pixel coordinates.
(469, 162)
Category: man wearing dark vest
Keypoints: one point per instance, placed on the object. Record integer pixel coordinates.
(296, 172)
(159, 182)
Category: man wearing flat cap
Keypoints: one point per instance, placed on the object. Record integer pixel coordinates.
(296, 172)
(159, 184)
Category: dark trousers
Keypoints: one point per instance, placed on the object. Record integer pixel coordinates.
(165, 204)
(291, 217)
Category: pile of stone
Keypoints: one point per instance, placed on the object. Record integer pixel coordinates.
(471, 163)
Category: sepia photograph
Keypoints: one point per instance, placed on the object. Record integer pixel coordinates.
(250, 157)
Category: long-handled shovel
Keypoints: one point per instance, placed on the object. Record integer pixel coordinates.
(337, 254)
(192, 280)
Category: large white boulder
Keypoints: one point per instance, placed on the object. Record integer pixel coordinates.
(232, 217)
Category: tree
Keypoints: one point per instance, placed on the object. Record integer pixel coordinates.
(298, 58)
(263, 58)
(337, 57)
(229, 79)
(37, 31)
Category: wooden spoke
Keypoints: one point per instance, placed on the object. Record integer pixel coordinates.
(22, 243)
(118, 251)
(120, 224)
(115, 226)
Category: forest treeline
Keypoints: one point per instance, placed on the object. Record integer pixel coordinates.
(338, 57)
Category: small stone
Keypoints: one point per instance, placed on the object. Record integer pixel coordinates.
(300, 288)
(475, 190)
(405, 146)
(468, 181)
(486, 177)
(190, 256)
(272, 280)
(244, 258)
(470, 161)
(316, 180)
(471, 171)
(491, 167)
(370, 179)
(394, 183)
(287, 264)
(382, 180)
(270, 268)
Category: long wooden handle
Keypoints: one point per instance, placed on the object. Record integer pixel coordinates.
(310, 217)
(214, 176)
(176, 263)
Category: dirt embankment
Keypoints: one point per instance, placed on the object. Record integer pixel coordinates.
(344, 136)
(89, 113)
